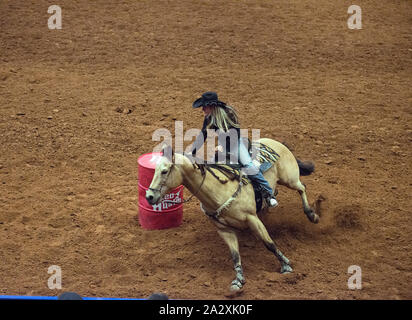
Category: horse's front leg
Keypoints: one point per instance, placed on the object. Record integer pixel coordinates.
(260, 231)
(231, 240)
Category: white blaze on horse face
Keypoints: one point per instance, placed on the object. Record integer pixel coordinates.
(158, 186)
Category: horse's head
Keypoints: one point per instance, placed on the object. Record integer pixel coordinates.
(167, 177)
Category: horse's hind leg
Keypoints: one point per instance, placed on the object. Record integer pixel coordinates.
(231, 240)
(260, 231)
(310, 213)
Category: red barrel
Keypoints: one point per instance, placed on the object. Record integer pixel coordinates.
(165, 214)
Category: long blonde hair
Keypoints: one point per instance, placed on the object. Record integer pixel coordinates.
(224, 118)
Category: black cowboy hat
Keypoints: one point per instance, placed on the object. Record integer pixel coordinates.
(207, 99)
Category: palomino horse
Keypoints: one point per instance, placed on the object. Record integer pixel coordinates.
(178, 169)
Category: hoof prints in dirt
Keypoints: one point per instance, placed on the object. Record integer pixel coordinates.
(293, 278)
(124, 110)
(348, 217)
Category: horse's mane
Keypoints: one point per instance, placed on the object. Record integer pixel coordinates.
(224, 172)
(221, 171)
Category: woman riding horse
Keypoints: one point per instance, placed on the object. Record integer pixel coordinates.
(231, 206)
(224, 119)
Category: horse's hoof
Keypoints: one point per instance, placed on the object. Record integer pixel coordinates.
(286, 269)
(235, 287)
(313, 217)
(234, 291)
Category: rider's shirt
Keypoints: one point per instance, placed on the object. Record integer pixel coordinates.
(224, 138)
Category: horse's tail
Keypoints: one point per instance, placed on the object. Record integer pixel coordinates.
(305, 167)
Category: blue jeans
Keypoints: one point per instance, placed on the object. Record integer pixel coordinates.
(251, 170)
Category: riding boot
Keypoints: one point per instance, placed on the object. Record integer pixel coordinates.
(267, 191)
(272, 202)
(270, 199)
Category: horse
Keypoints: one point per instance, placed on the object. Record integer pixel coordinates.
(232, 208)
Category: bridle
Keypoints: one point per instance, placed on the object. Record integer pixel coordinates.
(162, 184)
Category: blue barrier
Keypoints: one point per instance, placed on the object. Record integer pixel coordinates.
(5, 297)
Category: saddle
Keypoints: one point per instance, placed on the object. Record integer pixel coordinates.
(225, 171)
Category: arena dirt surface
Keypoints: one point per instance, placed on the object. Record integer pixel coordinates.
(80, 105)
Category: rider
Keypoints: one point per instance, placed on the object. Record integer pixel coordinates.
(219, 116)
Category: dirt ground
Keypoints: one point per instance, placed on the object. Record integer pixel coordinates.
(79, 106)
